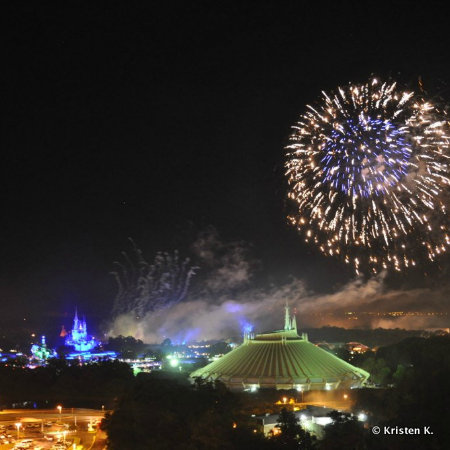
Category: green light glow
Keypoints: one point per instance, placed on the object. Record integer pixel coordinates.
(174, 362)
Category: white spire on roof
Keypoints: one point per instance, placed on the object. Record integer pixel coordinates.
(294, 323)
(287, 319)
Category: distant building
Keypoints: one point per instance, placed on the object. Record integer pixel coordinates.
(282, 360)
(356, 347)
(84, 344)
(312, 418)
(41, 352)
(78, 337)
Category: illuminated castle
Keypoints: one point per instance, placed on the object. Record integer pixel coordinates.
(78, 337)
(42, 352)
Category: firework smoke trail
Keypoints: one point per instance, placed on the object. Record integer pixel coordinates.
(368, 168)
(145, 287)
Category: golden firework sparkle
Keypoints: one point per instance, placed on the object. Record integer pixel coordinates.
(367, 168)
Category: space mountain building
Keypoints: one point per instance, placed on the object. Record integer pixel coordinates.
(282, 360)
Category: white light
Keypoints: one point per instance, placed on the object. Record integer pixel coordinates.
(362, 417)
(323, 420)
(174, 362)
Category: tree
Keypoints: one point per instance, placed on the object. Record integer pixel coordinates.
(126, 347)
(345, 432)
(292, 435)
(164, 411)
(378, 369)
(219, 348)
(342, 353)
(419, 397)
(400, 373)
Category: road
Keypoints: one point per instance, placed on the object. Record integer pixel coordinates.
(50, 414)
(100, 441)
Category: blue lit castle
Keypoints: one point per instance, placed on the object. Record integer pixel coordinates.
(78, 337)
(83, 344)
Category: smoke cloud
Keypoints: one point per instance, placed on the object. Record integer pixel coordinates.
(223, 302)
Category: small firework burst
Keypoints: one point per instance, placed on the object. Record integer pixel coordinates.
(145, 287)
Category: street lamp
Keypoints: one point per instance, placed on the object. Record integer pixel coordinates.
(18, 425)
(300, 389)
(59, 408)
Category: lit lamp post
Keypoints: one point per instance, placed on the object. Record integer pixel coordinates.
(300, 389)
(18, 425)
(59, 408)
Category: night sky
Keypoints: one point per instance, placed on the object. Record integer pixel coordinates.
(156, 122)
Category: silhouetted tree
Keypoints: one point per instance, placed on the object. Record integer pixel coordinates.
(126, 347)
(346, 432)
(164, 411)
(292, 435)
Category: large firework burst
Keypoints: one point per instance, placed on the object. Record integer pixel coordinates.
(368, 169)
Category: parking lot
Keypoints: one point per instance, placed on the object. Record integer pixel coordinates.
(75, 429)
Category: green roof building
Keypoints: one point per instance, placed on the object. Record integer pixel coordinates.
(282, 360)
